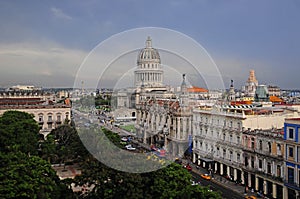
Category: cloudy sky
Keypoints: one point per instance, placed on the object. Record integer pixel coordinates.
(44, 43)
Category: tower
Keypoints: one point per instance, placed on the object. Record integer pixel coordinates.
(231, 96)
(184, 96)
(251, 84)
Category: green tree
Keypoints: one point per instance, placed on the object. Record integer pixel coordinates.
(63, 144)
(18, 132)
(23, 176)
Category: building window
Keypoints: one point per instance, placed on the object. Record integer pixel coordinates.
(290, 175)
(41, 118)
(252, 162)
(224, 153)
(230, 138)
(279, 149)
(238, 139)
(246, 161)
(239, 126)
(298, 153)
(50, 126)
(269, 168)
(252, 143)
(49, 118)
(238, 157)
(260, 164)
(291, 132)
(224, 136)
(67, 116)
(291, 152)
(278, 170)
(260, 145)
(58, 118)
(230, 155)
(299, 137)
(269, 147)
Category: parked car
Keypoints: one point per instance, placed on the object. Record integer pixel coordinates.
(130, 147)
(205, 176)
(188, 167)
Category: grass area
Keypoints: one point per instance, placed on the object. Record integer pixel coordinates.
(129, 127)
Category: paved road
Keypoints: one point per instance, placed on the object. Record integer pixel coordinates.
(226, 193)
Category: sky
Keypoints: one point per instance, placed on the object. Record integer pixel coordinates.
(44, 43)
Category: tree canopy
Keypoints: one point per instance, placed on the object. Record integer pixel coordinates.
(23, 176)
(18, 132)
(172, 181)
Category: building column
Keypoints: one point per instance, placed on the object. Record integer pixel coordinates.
(249, 180)
(194, 158)
(256, 183)
(228, 170)
(265, 187)
(145, 136)
(178, 128)
(234, 174)
(274, 190)
(285, 192)
(204, 163)
(221, 169)
(216, 167)
(242, 177)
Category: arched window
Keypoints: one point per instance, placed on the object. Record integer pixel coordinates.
(269, 147)
(260, 145)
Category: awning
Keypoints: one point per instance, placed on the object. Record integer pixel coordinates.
(206, 159)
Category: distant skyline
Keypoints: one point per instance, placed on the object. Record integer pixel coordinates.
(43, 43)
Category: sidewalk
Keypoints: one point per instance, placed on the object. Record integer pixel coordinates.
(220, 180)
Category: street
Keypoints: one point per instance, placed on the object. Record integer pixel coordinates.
(226, 193)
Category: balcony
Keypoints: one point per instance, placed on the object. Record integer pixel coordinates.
(49, 121)
(292, 185)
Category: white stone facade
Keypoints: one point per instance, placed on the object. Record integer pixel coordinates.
(221, 144)
(47, 116)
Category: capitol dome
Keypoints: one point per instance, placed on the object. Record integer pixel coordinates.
(149, 72)
(148, 54)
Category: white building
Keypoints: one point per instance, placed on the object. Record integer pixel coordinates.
(219, 143)
(48, 115)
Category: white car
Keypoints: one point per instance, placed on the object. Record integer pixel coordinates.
(124, 139)
(130, 147)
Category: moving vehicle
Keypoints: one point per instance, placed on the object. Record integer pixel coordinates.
(205, 176)
(250, 197)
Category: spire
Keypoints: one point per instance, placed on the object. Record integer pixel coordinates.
(149, 42)
(183, 84)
